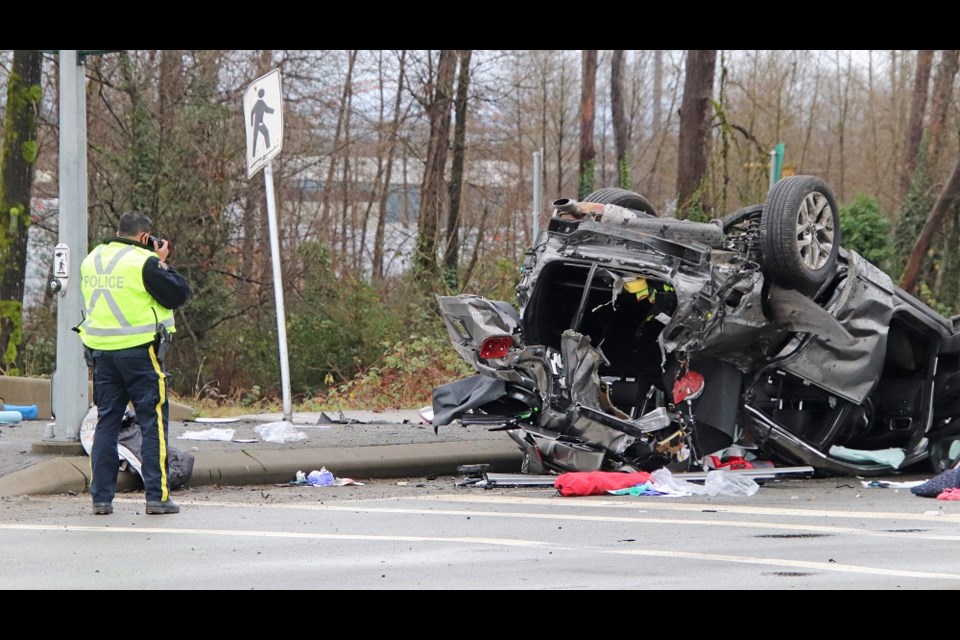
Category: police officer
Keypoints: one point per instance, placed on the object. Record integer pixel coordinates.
(130, 292)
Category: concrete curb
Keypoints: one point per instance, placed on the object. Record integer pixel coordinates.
(72, 474)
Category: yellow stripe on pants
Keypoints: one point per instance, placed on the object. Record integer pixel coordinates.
(164, 484)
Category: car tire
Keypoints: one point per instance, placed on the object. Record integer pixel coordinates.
(623, 198)
(800, 233)
(753, 212)
(945, 454)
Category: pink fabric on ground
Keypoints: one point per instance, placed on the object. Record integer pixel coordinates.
(592, 483)
(949, 494)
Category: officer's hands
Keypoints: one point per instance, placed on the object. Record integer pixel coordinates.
(162, 247)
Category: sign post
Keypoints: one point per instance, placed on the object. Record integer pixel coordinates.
(776, 164)
(69, 392)
(263, 120)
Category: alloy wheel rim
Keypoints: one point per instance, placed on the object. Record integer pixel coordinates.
(815, 232)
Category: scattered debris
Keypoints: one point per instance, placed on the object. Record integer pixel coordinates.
(322, 478)
(486, 480)
(280, 432)
(226, 435)
(27, 412)
(886, 484)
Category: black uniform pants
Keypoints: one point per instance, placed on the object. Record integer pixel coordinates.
(121, 377)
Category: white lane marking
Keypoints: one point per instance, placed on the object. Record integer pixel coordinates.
(241, 533)
(795, 564)
(506, 542)
(554, 517)
(362, 507)
(652, 505)
(658, 504)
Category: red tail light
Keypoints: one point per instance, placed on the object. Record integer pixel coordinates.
(496, 347)
(688, 387)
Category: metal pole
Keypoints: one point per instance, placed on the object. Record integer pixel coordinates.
(537, 191)
(69, 394)
(278, 291)
(776, 164)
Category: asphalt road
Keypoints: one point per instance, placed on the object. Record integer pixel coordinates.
(433, 534)
(437, 532)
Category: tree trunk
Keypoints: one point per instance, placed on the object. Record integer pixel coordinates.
(588, 102)
(922, 245)
(170, 94)
(378, 272)
(561, 125)
(725, 129)
(475, 256)
(949, 289)
(432, 190)
(17, 160)
(918, 105)
(620, 131)
(941, 102)
(843, 97)
(347, 225)
(451, 256)
(325, 218)
(659, 137)
(657, 91)
(694, 142)
(379, 185)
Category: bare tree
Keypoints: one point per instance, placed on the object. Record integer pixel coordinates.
(17, 159)
(660, 172)
(918, 105)
(657, 89)
(812, 113)
(451, 257)
(156, 141)
(432, 191)
(561, 130)
(843, 97)
(941, 102)
(391, 149)
(588, 102)
(947, 197)
(324, 219)
(346, 223)
(694, 141)
(936, 234)
(377, 193)
(621, 134)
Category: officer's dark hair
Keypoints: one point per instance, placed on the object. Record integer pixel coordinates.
(133, 223)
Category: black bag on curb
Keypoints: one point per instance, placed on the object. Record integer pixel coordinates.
(180, 463)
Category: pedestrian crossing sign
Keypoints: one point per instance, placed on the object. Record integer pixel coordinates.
(263, 119)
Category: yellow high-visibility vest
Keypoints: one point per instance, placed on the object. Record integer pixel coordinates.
(120, 312)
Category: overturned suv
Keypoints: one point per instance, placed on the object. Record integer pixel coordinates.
(639, 342)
